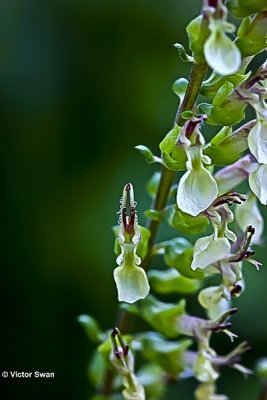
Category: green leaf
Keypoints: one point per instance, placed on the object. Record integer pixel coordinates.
(251, 35)
(152, 185)
(173, 152)
(178, 254)
(186, 223)
(170, 281)
(91, 328)
(169, 355)
(244, 8)
(163, 317)
(147, 154)
(227, 147)
(182, 53)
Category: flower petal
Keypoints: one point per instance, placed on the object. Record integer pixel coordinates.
(207, 251)
(258, 183)
(196, 191)
(248, 213)
(257, 141)
(132, 283)
(222, 55)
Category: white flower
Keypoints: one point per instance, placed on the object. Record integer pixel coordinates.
(211, 299)
(206, 391)
(257, 140)
(131, 280)
(208, 251)
(222, 55)
(248, 213)
(258, 183)
(203, 368)
(197, 188)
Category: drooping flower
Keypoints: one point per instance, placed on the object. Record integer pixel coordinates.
(197, 188)
(222, 55)
(131, 280)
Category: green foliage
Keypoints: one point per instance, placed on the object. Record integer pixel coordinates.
(225, 110)
(198, 32)
(226, 147)
(163, 317)
(169, 355)
(244, 8)
(210, 87)
(251, 35)
(178, 254)
(186, 223)
(173, 153)
(170, 281)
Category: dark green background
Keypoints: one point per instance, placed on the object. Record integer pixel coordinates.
(81, 83)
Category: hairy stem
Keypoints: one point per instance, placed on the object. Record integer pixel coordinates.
(125, 319)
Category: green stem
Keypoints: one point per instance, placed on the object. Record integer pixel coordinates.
(125, 319)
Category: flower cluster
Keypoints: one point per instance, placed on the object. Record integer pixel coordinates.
(207, 204)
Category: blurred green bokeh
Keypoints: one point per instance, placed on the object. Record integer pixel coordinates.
(82, 83)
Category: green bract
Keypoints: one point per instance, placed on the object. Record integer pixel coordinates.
(226, 147)
(172, 151)
(243, 8)
(251, 35)
(198, 33)
(163, 317)
(169, 355)
(186, 223)
(211, 86)
(178, 254)
(170, 281)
